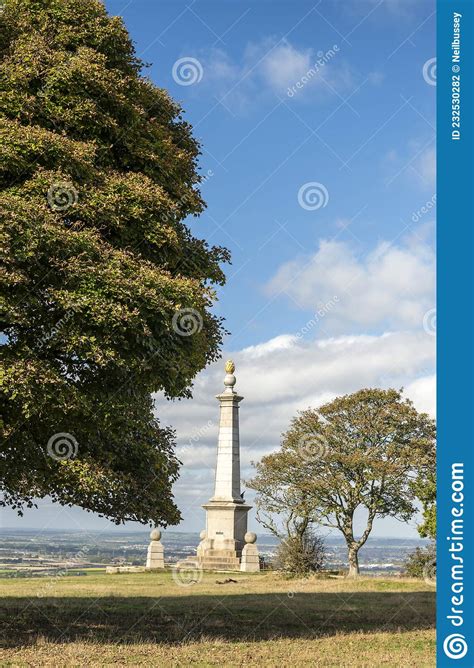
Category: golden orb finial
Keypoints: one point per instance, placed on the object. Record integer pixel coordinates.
(229, 366)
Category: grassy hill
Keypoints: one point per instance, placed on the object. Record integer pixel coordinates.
(262, 619)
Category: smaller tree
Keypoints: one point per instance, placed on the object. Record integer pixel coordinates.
(285, 508)
(360, 452)
(300, 556)
(421, 563)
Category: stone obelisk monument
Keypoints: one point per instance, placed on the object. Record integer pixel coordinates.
(225, 543)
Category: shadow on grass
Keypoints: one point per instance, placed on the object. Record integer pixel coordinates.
(248, 617)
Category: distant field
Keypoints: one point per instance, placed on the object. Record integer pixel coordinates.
(25, 550)
(148, 619)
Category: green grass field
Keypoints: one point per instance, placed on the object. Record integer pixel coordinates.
(263, 619)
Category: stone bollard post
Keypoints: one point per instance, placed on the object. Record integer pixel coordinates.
(155, 555)
(250, 562)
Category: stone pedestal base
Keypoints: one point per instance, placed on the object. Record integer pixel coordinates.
(224, 555)
(226, 525)
(209, 557)
(155, 555)
(250, 562)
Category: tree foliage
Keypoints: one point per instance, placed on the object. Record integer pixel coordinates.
(357, 454)
(301, 555)
(421, 563)
(106, 294)
(425, 489)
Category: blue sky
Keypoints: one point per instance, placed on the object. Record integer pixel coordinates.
(258, 142)
(332, 285)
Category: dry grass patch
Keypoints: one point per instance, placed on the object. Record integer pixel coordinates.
(139, 619)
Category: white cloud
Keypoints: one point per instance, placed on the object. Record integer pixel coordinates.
(390, 286)
(414, 163)
(218, 69)
(376, 78)
(426, 167)
(284, 65)
(422, 392)
(270, 67)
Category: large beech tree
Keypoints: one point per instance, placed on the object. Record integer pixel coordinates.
(357, 455)
(105, 292)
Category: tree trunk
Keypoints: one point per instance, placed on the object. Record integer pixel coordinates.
(353, 561)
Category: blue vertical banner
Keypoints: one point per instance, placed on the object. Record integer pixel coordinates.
(455, 328)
